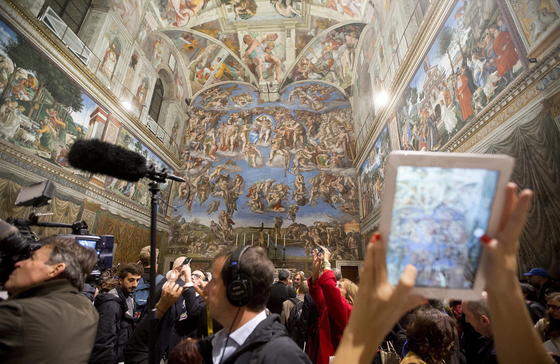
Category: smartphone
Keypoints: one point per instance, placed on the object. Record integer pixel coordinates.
(187, 261)
(319, 250)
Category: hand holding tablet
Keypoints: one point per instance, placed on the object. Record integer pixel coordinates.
(436, 207)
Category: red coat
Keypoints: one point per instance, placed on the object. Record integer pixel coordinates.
(334, 312)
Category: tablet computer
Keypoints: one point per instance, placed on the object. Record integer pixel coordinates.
(435, 208)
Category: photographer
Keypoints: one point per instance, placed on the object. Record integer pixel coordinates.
(47, 319)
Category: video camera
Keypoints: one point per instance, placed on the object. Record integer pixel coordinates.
(18, 241)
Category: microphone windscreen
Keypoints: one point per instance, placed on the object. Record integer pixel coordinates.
(100, 157)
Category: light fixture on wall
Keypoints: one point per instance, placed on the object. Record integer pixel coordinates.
(381, 99)
(127, 105)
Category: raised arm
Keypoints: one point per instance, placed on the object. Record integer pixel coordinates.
(339, 309)
(515, 338)
(378, 307)
(314, 289)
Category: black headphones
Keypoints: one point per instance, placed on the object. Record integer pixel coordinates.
(240, 289)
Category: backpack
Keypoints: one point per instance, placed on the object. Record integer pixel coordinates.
(302, 322)
(141, 295)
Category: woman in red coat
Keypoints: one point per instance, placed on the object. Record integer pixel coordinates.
(333, 305)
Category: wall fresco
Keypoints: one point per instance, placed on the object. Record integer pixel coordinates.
(138, 191)
(372, 173)
(156, 48)
(472, 59)
(41, 109)
(330, 58)
(110, 57)
(277, 174)
(363, 108)
(536, 19)
(130, 12)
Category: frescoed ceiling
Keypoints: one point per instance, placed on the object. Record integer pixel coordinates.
(266, 43)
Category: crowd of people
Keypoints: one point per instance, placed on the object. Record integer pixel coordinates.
(236, 313)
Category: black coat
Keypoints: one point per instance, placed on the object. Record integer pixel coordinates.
(180, 321)
(115, 327)
(278, 294)
(268, 343)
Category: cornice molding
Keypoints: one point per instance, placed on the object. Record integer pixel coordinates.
(33, 166)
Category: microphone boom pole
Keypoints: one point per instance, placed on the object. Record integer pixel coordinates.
(154, 190)
(156, 177)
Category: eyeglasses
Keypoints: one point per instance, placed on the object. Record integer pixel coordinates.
(553, 307)
(196, 276)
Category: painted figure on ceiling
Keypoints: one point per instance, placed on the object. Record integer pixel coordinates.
(178, 12)
(259, 52)
(285, 8)
(243, 9)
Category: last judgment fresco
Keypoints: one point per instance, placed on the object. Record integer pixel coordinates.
(274, 174)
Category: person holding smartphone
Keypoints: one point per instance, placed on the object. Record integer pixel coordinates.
(334, 309)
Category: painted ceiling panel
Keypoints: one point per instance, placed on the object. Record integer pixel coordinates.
(317, 25)
(208, 61)
(258, 41)
(330, 57)
(178, 13)
(239, 11)
(350, 8)
(214, 30)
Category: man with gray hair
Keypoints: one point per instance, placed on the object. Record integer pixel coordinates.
(47, 319)
(477, 314)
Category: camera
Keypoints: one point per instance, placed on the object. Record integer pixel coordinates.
(14, 246)
(18, 241)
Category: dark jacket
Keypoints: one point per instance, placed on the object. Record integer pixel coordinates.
(268, 343)
(51, 322)
(180, 321)
(116, 326)
(547, 288)
(278, 294)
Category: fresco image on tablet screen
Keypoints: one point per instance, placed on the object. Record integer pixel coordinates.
(438, 217)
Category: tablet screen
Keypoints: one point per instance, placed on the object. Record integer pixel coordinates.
(438, 216)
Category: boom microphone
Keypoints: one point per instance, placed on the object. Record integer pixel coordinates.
(109, 159)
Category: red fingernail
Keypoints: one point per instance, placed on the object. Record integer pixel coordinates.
(375, 238)
(485, 239)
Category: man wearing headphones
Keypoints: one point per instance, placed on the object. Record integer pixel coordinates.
(237, 296)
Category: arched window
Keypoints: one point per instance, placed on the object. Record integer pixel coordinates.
(73, 12)
(157, 100)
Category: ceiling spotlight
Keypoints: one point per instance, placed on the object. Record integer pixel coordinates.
(381, 99)
(127, 105)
